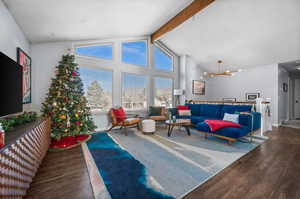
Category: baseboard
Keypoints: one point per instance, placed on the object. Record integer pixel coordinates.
(260, 137)
(275, 125)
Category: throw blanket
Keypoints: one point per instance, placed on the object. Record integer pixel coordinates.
(218, 124)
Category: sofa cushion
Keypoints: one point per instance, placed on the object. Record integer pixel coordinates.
(173, 111)
(211, 110)
(197, 119)
(195, 109)
(183, 116)
(235, 108)
(232, 132)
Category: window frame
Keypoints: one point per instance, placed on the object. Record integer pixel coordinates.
(155, 45)
(147, 76)
(112, 85)
(155, 89)
(147, 52)
(95, 44)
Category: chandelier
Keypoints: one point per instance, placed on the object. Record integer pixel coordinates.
(222, 72)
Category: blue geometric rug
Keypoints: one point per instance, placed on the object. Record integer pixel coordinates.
(141, 166)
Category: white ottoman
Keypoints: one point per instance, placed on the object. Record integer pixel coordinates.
(148, 126)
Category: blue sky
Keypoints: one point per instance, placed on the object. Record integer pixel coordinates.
(104, 77)
(102, 51)
(162, 60)
(133, 53)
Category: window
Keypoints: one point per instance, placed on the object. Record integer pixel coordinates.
(163, 91)
(135, 53)
(100, 51)
(162, 60)
(97, 86)
(134, 91)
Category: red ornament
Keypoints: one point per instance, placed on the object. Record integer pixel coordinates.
(74, 73)
(77, 122)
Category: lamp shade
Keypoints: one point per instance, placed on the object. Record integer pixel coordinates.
(178, 91)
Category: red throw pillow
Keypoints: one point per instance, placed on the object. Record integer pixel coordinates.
(183, 107)
(120, 114)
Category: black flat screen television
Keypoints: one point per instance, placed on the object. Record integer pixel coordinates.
(11, 76)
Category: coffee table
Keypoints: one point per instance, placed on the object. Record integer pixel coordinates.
(185, 123)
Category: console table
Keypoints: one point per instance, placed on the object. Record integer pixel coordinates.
(21, 156)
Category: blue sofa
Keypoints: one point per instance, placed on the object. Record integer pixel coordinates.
(201, 112)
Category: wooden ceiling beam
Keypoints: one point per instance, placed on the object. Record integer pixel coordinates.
(182, 16)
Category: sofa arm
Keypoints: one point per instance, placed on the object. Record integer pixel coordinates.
(256, 120)
(173, 111)
(251, 121)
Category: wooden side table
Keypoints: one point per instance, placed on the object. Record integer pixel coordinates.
(185, 123)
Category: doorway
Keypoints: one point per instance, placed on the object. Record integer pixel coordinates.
(293, 117)
(297, 99)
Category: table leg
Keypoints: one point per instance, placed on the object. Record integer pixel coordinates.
(170, 130)
(187, 130)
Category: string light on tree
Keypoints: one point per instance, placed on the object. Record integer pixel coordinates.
(65, 100)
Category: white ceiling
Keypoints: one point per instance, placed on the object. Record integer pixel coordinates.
(57, 20)
(242, 33)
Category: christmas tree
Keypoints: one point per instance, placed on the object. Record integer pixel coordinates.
(65, 103)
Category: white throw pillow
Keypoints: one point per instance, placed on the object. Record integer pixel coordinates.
(184, 112)
(231, 117)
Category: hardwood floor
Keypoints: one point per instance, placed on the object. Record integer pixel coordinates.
(272, 170)
(62, 175)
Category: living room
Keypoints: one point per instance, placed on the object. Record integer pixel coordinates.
(211, 85)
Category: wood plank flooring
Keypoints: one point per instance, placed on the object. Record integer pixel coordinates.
(272, 170)
(62, 175)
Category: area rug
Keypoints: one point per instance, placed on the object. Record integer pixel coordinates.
(157, 166)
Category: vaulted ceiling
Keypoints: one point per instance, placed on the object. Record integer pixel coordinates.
(57, 20)
(242, 33)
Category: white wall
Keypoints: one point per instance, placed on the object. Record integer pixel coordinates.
(262, 79)
(189, 71)
(47, 55)
(283, 97)
(11, 37)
